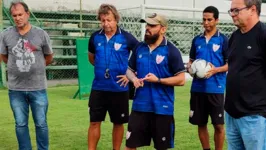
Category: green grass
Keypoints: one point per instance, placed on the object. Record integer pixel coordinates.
(68, 122)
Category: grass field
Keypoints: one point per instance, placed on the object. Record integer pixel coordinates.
(68, 122)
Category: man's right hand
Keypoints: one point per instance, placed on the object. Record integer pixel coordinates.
(138, 82)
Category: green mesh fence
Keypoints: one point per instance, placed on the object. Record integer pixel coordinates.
(65, 25)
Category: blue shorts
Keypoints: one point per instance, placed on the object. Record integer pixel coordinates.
(246, 133)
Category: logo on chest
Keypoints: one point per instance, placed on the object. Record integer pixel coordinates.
(117, 46)
(215, 47)
(249, 47)
(159, 59)
(199, 47)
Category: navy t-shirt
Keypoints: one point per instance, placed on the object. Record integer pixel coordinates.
(164, 61)
(214, 51)
(112, 54)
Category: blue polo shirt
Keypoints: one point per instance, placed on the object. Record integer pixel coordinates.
(164, 61)
(215, 51)
(112, 54)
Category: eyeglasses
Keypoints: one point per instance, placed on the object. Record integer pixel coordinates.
(236, 11)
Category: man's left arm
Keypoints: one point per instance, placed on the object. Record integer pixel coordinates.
(48, 59)
(47, 49)
(225, 51)
(3, 49)
(177, 80)
(132, 42)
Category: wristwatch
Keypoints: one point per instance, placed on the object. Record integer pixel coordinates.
(159, 80)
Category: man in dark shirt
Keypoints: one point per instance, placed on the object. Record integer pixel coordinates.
(245, 102)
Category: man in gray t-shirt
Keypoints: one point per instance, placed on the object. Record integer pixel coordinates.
(26, 58)
(26, 50)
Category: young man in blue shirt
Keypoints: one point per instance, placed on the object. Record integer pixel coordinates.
(159, 67)
(109, 50)
(207, 95)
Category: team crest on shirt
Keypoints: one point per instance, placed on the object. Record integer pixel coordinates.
(191, 113)
(159, 59)
(99, 44)
(140, 56)
(128, 135)
(117, 46)
(215, 47)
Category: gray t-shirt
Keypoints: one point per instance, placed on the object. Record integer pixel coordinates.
(26, 62)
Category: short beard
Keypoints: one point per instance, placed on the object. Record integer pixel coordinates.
(151, 39)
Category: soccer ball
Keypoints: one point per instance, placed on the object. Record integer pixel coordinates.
(199, 68)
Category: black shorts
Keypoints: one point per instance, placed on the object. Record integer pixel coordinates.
(144, 126)
(116, 103)
(131, 90)
(204, 104)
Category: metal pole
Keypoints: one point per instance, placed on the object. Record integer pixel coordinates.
(142, 7)
(1, 15)
(193, 28)
(80, 16)
(3, 66)
(193, 8)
